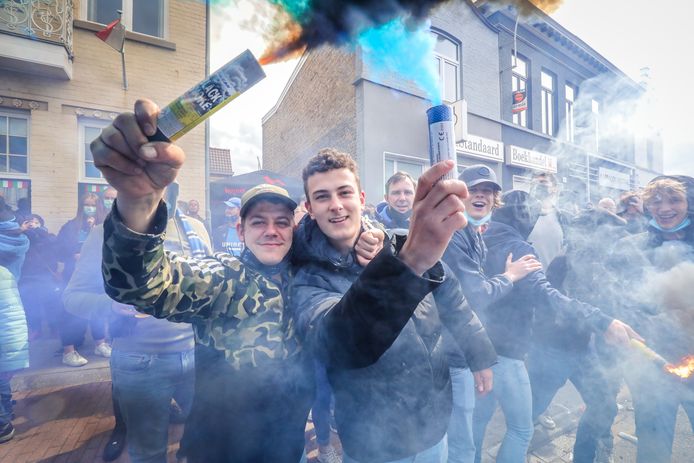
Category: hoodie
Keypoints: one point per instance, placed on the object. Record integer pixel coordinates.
(509, 321)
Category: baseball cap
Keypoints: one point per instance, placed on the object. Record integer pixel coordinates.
(265, 191)
(233, 202)
(479, 173)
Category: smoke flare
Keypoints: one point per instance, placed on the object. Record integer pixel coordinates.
(684, 369)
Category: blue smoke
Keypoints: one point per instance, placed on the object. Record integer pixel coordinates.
(403, 50)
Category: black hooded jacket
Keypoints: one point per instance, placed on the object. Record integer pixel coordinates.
(378, 331)
(509, 321)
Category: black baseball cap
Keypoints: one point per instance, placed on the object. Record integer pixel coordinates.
(479, 173)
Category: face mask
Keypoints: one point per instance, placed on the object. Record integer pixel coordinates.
(540, 191)
(478, 222)
(108, 203)
(684, 224)
(89, 211)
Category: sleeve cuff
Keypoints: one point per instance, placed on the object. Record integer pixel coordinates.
(157, 228)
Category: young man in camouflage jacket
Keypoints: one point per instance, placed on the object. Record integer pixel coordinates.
(254, 383)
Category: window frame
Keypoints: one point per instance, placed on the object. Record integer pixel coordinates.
(547, 99)
(521, 118)
(4, 112)
(441, 60)
(82, 123)
(570, 113)
(395, 157)
(127, 18)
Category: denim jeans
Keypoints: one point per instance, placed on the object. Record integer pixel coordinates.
(143, 385)
(461, 445)
(550, 368)
(512, 392)
(436, 454)
(5, 399)
(656, 400)
(321, 405)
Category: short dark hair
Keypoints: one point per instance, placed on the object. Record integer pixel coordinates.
(552, 178)
(399, 177)
(326, 160)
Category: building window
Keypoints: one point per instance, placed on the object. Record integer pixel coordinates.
(595, 109)
(14, 143)
(519, 81)
(448, 66)
(412, 166)
(143, 16)
(89, 130)
(547, 86)
(569, 101)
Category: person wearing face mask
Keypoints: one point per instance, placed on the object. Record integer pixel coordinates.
(225, 237)
(396, 211)
(465, 255)
(110, 194)
(39, 284)
(509, 322)
(71, 236)
(548, 235)
(651, 280)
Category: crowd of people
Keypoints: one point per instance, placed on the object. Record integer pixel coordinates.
(401, 326)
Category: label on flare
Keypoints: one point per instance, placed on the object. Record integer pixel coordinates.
(442, 138)
(208, 97)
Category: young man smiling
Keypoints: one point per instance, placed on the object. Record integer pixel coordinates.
(465, 255)
(254, 382)
(378, 329)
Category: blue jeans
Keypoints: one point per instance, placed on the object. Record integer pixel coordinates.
(321, 405)
(5, 399)
(656, 400)
(550, 368)
(461, 445)
(512, 392)
(143, 386)
(435, 454)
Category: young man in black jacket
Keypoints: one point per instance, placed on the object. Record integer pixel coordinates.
(378, 329)
(509, 324)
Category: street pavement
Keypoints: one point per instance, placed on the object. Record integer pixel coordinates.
(64, 415)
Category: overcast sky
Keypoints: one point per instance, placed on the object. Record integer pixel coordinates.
(630, 33)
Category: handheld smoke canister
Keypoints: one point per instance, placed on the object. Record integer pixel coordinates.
(442, 137)
(208, 97)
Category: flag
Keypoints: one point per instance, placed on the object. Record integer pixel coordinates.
(113, 35)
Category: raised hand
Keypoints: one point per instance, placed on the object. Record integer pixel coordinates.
(138, 169)
(436, 214)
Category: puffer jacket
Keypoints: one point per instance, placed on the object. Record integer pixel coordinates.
(14, 337)
(378, 330)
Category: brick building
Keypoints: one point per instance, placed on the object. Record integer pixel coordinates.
(60, 84)
(333, 99)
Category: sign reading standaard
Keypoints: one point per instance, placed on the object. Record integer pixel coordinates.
(522, 157)
(483, 148)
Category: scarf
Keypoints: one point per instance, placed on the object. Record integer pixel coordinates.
(13, 247)
(198, 248)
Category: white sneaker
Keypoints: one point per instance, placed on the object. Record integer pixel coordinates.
(330, 455)
(74, 359)
(103, 350)
(546, 422)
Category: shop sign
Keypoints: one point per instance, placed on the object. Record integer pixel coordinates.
(480, 147)
(614, 179)
(522, 157)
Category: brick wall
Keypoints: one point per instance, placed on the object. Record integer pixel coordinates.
(318, 111)
(153, 72)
